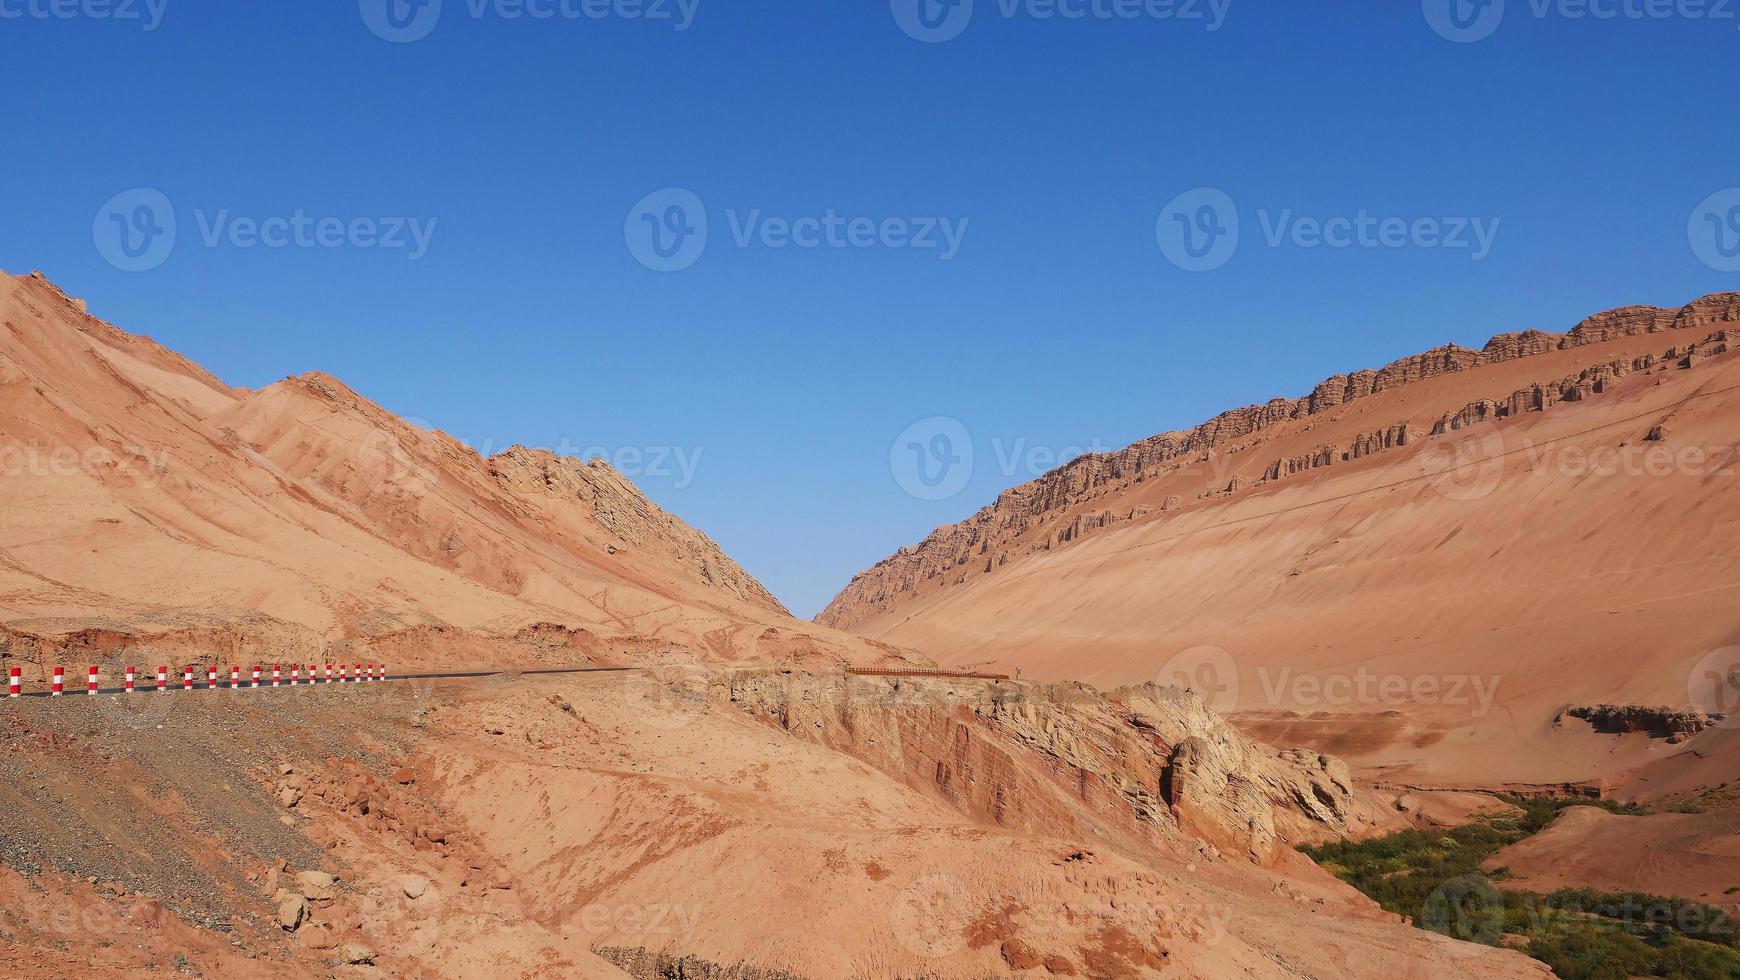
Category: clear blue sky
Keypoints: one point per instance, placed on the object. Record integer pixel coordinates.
(1059, 322)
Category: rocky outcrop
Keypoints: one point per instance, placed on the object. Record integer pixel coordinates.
(1148, 761)
(1672, 724)
(614, 503)
(995, 529)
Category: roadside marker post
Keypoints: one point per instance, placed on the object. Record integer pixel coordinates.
(91, 685)
(256, 675)
(14, 683)
(59, 681)
(187, 679)
(129, 682)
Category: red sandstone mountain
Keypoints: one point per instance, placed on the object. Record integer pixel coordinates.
(1555, 517)
(149, 503)
(761, 823)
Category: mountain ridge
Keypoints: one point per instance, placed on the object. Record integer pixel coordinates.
(1073, 483)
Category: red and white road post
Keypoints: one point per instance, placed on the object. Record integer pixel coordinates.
(14, 683)
(131, 672)
(91, 685)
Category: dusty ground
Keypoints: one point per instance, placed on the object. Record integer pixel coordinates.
(551, 827)
(1693, 855)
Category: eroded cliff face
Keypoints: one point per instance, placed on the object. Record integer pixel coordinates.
(1143, 764)
(1084, 495)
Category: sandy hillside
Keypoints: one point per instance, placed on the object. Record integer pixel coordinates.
(151, 508)
(1420, 567)
(1693, 855)
(621, 824)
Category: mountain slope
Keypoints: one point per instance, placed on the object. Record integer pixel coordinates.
(145, 498)
(1511, 521)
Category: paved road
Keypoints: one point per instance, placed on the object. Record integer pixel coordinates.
(144, 685)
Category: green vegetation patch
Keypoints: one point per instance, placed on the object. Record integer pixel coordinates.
(1434, 877)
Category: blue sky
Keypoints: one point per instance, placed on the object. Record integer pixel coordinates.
(761, 391)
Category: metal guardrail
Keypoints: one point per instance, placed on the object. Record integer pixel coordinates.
(957, 674)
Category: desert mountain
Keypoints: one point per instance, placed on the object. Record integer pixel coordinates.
(1508, 534)
(645, 823)
(149, 503)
